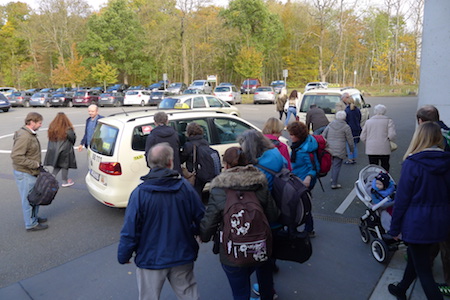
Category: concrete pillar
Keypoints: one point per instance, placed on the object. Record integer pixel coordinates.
(434, 87)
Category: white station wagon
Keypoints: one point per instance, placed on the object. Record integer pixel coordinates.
(117, 151)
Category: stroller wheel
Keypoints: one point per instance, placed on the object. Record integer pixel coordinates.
(365, 236)
(379, 250)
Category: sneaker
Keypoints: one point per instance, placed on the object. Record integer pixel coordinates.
(397, 292)
(336, 186)
(255, 289)
(38, 227)
(68, 183)
(41, 220)
(444, 289)
(312, 234)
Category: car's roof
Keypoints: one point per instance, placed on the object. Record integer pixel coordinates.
(338, 91)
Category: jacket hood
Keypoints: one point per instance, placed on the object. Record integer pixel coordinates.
(161, 179)
(434, 160)
(337, 124)
(309, 145)
(198, 140)
(248, 177)
(163, 131)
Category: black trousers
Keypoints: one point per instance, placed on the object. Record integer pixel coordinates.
(382, 160)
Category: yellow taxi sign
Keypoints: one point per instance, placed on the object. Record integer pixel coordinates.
(181, 106)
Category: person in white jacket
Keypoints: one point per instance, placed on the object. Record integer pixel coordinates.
(292, 105)
(377, 134)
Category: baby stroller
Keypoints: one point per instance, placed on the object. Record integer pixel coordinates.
(370, 226)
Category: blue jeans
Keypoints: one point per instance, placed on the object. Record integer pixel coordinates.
(25, 183)
(291, 110)
(354, 155)
(239, 279)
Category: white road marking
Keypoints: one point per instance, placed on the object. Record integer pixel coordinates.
(346, 203)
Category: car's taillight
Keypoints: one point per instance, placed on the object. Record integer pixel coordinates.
(19, 98)
(110, 168)
(230, 95)
(256, 93)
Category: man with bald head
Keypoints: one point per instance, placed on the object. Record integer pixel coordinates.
(162, 217)
(91, 123)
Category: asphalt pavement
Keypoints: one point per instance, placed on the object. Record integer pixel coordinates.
(341, 267)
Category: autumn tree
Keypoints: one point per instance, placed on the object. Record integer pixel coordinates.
(71, 72)
(249, 63)
(104, 73)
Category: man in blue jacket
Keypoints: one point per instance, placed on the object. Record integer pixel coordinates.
(161, 221)
(91, 123)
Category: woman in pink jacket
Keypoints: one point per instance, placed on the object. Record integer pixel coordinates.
(377, 134)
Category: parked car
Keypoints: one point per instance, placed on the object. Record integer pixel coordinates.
(41, 99)
(21, 98)
(156, 86)
(85, 97)
(62, 99)
(7, 90)
(116, 156)
(316, 85)
(228, 93)
(264, 94)
(136, 97)
(47, 90)
(156, 97)
(277, 85)
(201, 101)
(250, 85)
(176, 88)
(120, 87)
(203, 85)
(192, 91)
(111, 99)
(326, 99)
(4, 103)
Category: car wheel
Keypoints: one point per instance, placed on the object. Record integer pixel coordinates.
(47, 104)
(70, 104)
(26, 104)
(142, 103)
(5, 109)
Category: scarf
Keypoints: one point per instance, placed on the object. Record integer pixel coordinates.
(294, 147)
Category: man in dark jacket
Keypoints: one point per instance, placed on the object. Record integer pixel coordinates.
(317, 118)
(91, 123)
(164, 133)
(162, 217)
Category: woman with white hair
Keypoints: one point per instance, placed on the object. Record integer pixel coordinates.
(377, 134)
(281, 101)
(338, 133)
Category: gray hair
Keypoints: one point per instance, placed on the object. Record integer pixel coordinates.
(379, 109)
(344, 95)
(341, 115)
(254, 144)
(160, 156)
(160, 118)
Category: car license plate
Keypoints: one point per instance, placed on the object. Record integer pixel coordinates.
(94, 174)
(104, 99)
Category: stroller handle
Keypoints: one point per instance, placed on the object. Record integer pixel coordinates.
(381, 203)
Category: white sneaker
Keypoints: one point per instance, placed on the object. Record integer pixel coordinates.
(68, 183)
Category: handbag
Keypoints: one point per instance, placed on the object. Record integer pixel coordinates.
(190, 176)
(292, 246)
(393, 146)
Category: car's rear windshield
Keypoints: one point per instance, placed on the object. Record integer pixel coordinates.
(80, 94)
(264, 89)
(157, 93)
(104, 140)
(16, 94)
(198, 83)
(167, 103)
(130, 93)
(59, 95)
(175, 85)
(39, 95)
(222, 89)
(325, 102)
(106, 95)
(250, 82)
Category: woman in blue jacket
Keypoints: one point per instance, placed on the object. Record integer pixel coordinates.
(422, 207)
(303, 144)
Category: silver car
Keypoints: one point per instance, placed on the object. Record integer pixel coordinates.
(264, 94)
(203, 85)
(41, 99)
(229, 94)
(20, 98)
(176, 88)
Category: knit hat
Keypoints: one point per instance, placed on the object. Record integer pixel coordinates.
(384, 179)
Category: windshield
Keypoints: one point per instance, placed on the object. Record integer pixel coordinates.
(104, 139)
(325, 102)
(222, 89)
(80, 94)
(175, 85)
(38, 95)
(197, 83)
(168, 103)
(16, 94)
(250, 82)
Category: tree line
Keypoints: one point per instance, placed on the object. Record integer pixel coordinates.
(67, 43)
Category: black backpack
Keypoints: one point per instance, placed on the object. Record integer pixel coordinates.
(292, 197)
(208, 163)
(246, 238)
(44, 190)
